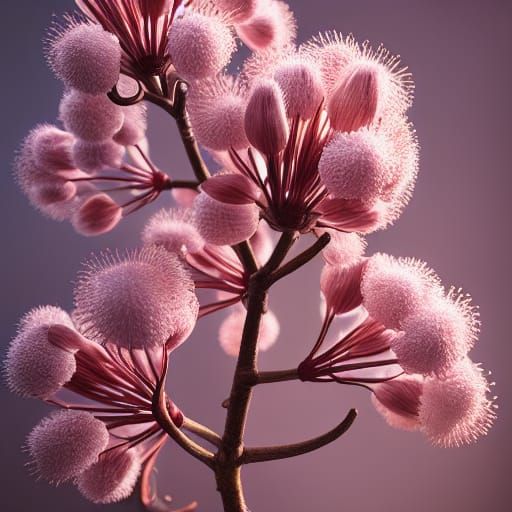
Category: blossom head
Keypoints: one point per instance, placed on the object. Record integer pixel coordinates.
(34, 367)
(86, 57)
(230, 332)
(456, 410)
(65, 444)
(393, 289)
(344, 249)
(97, 215)
(437, 336)
(145, 300)
(112, 478)
(94, 157)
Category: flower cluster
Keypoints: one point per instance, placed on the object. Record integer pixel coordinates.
(406, 339)
(112, 355)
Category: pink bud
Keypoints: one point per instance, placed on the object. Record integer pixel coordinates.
(344, 249)
(65, 444)
(354, 166)
(98, 215)
(34, 367)
(173, 229)
(265, 118)
(141, 301)
(272, 26)
(52, 148)
(54, 192)
(91, 118)
(200, 45)
(217, 112)
(230, 333)
(134, 126)
(456, 410)
(112, 478)
(87, 58)
(301, 87)
(398, 401)
(437, 336)
(354, 102)
(94, 156)
(394, 289)
(224, 224)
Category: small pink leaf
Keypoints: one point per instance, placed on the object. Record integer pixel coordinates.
(231, 189)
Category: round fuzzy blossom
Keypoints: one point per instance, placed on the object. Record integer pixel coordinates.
(87, 58)
(142, 301)
(436, 336)
(354, 166)
(94, 156)
(65, 444)
(97, 215)
(266, 125)
(224, 224)
(456, 410)
(301, 85)
(217, 113)
(112, 478)
(237, 10)
(272, 26)
(51, 148)
(91, 118)
(174, 230)
(134, 126)
(230, 332)
(344, 249)
(200, 45)
(398, 401)
(393, 289)
(34, 367)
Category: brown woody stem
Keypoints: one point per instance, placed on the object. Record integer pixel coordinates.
(277, 376)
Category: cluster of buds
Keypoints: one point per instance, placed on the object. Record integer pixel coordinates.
(403, 337)
(112, 354)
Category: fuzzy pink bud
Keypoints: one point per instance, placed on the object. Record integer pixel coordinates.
(112, 478)
(354, 166)
(230, 333)
(142, 301)
(224, 224)
(54, 192)
(65, 444)
(93, 156)
(456, 410)
(174, 230)
(52, 148)
(91, 118)
(200, 45)
(437, 336)
(266, 125)
(134, 126)
(237, 10)
(344, 249)
(398, 401)
(33, 366)
(353, 104)
(99, 214)
(395, 289)
(87, 58)
(301, 87)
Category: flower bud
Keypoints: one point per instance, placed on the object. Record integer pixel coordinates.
(200, 45)
(112, 478)
(33, 366)
(54, 192)
(65, 444)
(224, 224)
(87, 58)
(237, 10)
(353, 104)
(134, 126)
(94, 156)
(354, 166)
(52, 148)
(99, 214)
(142, 301)
(301, 87)
(266, 125)
(91, 118)
(344, 249)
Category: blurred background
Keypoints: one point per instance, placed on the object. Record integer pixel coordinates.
(459, 54)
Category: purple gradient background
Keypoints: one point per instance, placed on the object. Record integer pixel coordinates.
(459, 53)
